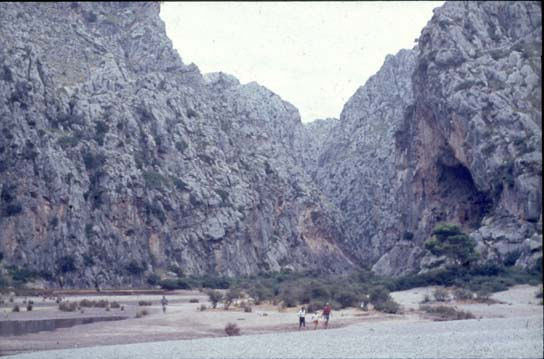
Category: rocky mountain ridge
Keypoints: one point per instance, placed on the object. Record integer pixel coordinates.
(118, 161)
(449, 131)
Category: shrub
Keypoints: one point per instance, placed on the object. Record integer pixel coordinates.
(135, 268)
(68, 306)
(247, 308)
(93, 161)
(389, 306)
(67, 142)
(29, 306)
(347, 299)
(314, 307)
(66, 264)
(193, 300)
(85, 303)
(483, 295)
(13, 209)
(379, 294)
(153, 279)
(462, 294)
(178, 283)
(203, 307)
(215, 282)
(102, 303)
(289, 298)
(232, 329)
(449, 240)
(426, 299)
(440, 294)
(142, 313)
(144, 303)
(16, 308)
(154, 179)
(115, 305)
(215, 297)
(446, 313)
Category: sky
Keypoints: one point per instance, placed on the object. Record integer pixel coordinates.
(313, 54)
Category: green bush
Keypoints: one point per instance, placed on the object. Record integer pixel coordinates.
(215, 282)
(449, 240)
(154, 179)
(441, 295)
(215, 297)
(67, 306)
(288, 297)
(16, 308)
(389, 306)
(135, 268)
(66, 264)
(144, 303)
(177, 283)
(378, 295)
(232, 329)
(153, 279)
(347, 299)
(446, 313)
(13, 209)
(67, 142)
(462, 294)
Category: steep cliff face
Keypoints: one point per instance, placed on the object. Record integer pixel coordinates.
(121, 160)
(449, 131)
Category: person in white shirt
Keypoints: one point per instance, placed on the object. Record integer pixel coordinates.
(315, 319)
(302, 318)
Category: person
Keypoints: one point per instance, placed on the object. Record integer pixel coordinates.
(302, 318)
(164, 303)
(326, 314)
(315, 319)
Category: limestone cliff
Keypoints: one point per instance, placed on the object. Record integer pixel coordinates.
(447, 131)
(117, 160)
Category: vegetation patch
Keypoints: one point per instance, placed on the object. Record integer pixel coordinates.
(442, 313)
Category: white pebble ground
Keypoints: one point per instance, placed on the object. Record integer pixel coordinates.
(484, 338)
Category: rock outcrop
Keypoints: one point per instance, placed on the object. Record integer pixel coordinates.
(118, 160)
(449, 131)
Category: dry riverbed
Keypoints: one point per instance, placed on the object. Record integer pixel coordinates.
(184, 320)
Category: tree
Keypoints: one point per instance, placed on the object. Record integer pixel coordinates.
(215, 297)
(448, 240)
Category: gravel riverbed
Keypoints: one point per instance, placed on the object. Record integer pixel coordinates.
(477, 338)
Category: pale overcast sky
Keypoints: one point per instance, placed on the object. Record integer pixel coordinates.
(313, 54)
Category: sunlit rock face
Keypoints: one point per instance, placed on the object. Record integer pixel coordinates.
(116, 155)
(448, 131)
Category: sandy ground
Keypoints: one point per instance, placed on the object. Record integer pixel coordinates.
(184, 321)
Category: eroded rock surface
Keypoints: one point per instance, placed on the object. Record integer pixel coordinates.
(119, 157)
(449, 131)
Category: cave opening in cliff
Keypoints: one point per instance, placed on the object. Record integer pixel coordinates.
(465, 203)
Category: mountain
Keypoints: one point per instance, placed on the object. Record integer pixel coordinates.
(118, 161)
(449, 131)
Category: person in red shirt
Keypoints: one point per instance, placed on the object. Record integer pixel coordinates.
(326, 314)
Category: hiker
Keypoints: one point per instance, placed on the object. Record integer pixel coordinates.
(326, 314)
(164, 303)
(302, 318)
(315, 319)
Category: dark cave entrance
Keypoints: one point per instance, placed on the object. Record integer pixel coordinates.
(462, 202)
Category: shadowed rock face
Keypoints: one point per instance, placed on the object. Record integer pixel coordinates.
(116, 155)
(448, 131)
